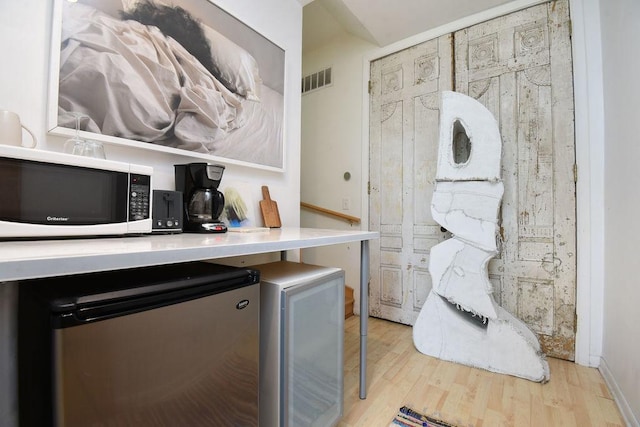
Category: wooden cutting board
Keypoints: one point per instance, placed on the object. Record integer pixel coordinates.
(269, 208)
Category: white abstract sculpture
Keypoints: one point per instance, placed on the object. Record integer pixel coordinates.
(460, 321)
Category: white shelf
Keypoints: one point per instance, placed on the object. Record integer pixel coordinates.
(46, 258)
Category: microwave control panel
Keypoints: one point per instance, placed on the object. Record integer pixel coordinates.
(139, 197)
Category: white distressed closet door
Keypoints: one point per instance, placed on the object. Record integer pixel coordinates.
(404, 116)
(519, 67)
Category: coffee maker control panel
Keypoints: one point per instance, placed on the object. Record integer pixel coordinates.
(215, 227)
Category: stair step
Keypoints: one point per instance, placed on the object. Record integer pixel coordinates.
(348, 302)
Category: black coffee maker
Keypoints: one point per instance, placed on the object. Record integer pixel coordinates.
(202, 201)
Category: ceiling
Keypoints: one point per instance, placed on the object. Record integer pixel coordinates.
(381, 22)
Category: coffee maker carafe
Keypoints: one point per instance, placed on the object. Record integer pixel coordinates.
(202, 201)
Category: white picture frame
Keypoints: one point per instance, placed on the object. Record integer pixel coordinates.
(235, 116)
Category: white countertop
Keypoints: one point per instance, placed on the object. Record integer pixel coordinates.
(47, 258)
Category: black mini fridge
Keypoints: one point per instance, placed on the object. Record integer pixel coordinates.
(174, 345)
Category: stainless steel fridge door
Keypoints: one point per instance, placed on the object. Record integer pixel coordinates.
(193, 363)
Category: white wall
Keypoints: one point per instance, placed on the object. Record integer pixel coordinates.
(621, 67)
(331, 145)
(25, 42)
(25, 39)
(335, 132)
(606, 265)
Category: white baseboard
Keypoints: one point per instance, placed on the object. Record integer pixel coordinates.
(622, 403)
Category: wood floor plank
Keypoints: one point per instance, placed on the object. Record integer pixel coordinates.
(482, 393)
(397, 375)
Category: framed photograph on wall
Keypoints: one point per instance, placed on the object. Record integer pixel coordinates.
(177, 76)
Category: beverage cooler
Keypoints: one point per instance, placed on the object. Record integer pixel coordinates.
(301, 345)
(171, 345)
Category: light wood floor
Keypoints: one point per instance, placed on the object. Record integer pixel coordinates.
(398, 375)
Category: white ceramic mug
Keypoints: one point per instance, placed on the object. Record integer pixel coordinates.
(11, 129)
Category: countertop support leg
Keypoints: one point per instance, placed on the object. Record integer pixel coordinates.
(364, 314)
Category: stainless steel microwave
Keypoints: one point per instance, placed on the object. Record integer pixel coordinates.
(49, 194)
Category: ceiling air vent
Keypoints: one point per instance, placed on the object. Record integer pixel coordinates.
(316, 80)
